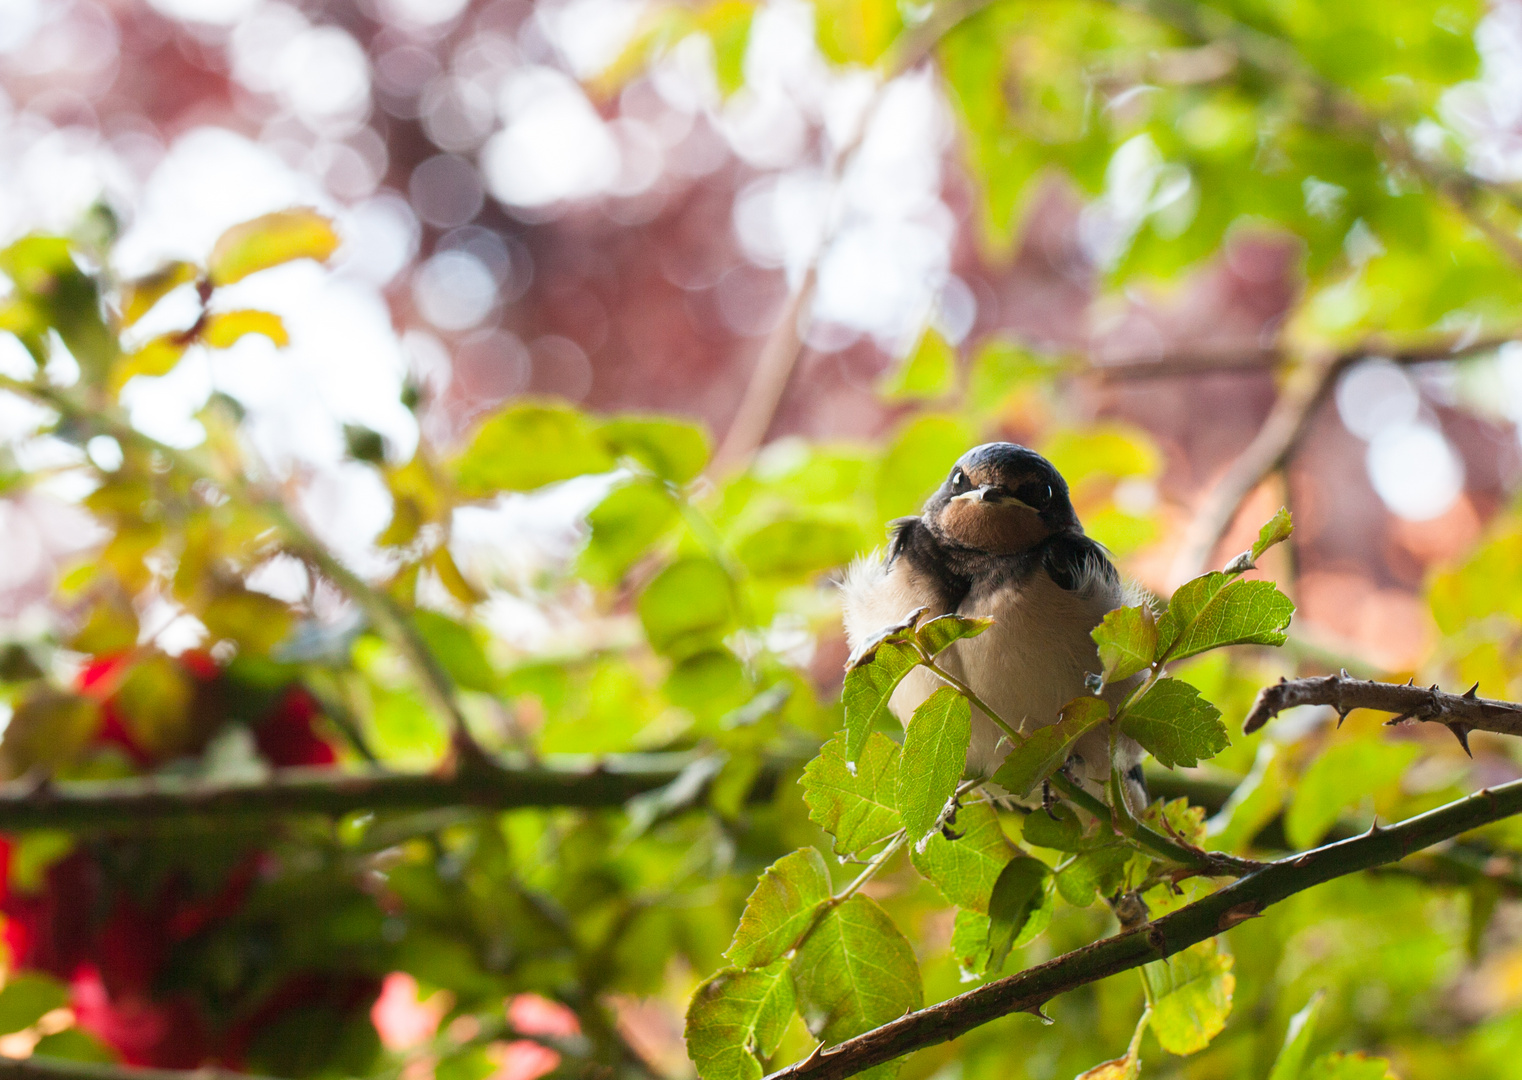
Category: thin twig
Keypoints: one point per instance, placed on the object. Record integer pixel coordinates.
(1205, 918)
(1460, 713)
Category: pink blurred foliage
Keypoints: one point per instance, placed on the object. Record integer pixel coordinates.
(402, 1020)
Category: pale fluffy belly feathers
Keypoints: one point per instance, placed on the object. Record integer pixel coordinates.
(1029, 664)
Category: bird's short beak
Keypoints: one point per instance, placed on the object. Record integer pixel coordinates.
(990, 494)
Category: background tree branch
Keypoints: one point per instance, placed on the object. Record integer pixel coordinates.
(1460, 713)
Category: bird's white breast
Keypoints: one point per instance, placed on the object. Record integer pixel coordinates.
(1032, 661)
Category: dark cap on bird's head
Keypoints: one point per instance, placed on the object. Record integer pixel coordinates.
(1001, 498)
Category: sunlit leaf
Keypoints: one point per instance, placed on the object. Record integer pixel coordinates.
(928, 372)
(917, 461)
(1191, 995)
(458, 649)
(224, 330)
(1216, 610)
(48, 728)
(268, 241)
(855, 804)
(937, 633)
(1045, 749)
(1297, 1040)
(727, 24)
(934, 756)
(27, 997)
(671, 449)
(782, 907)
(141, 294)
(965, 866)
(1337, 1066)
(855, 31)
(855, 972)
(1127, 640)
(157, 356)
(1277, 530)
(624, 527)
(527, 445)
(798, 546)
(869, 687)
(737, 1017)
(1023, 887)
(1174, 724)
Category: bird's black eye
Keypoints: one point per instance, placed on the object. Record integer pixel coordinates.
(1037, 495)
(958, 480)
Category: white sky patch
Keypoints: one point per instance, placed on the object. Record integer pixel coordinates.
(554, 146)
(590, 34)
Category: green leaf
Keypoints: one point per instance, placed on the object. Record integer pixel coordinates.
(855, 31)
(1057, 828)
(1127, 640)
(27, 997)
(918, 461)
(855, 972)
(269, 241)
(964, 870)
(1045, 749)
(73, 1044)
(855, 804)
(1276, 531)
(1100, 871)
(1217, 609)
(1343, 776)
(1253, 803)
(934, 756)
(624, 526)
(969, 942)
(939, 632)
(458, 650)
(1023, 888)
(780, 909)
(673, 450)
(1191, 996)
(798, 546)
(1174, 724)
(1297, 1040)
(527, 445)
(687, 607)
(869, 687)
(929, 371)
(727, 24)
(737, 1017)
(1348, 1067)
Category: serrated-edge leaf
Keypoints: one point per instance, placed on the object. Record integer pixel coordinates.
(737, 1016)
(855, 972)
(869, 688)
(1191, 995)
(1127, 640)
(780, 908)
(1222, 611)
(964, 870)
(1017, 895)
(933, 759)
(1276, 530)
(1045, 749)
(1174, 724)
(859, 806)
(937, 633)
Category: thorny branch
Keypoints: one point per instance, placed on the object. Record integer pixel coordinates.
(1460, 713)
(1205, 918)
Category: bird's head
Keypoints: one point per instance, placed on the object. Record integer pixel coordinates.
(1001, 498)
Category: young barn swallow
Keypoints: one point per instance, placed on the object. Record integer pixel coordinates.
(1000, 540)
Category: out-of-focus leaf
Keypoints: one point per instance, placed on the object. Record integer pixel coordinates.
(856, 31)
(1297, 1040)
(964, 870)
(1342, 777)
(1045, 749)
(917, 462)
(458, 649)
(855, 972)
(256, 621)
(527, 445)
(934, 755)
(687, 607)
(27, 997)
(1057, 828)
(928, 372)
(52, 294)
(140, 295)
(869, 687)
(857, 805)
(450, 577)
(268, 241)
(224, 330)
(672, 449)
(73, 1044)
(1337, 1066)
(727, 24)
(937, 633)
(709, 684)
(1177, 818)
(1122, 1068)
(1174, 724)
(1216, 610)
(157, 356)
(1024, 885)
(737, 1017)
(1127, 640)
(1253, 803)
(48, 729)
(780, 909)
(1100, 871)
(155, 701)
(1001, 367)
(1102, 450)
(1191, 996)
(798, 546)
(624, 526)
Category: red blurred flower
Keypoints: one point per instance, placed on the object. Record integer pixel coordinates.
(285, 736)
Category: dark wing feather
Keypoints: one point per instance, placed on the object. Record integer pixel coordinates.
(1077, 563)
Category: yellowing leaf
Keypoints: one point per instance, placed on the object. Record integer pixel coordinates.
(223, 331)
(156, 357)
(856, 31)
(256, 621)
(140, 296)
(268, 241)
(48, 729)
(1190, 994)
